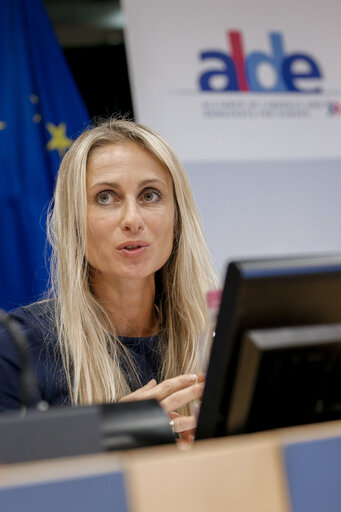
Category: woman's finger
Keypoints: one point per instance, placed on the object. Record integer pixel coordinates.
(151, 384)
(171, 386)
(141, 393)
(184, 424)
(168, 389)
(183, 397)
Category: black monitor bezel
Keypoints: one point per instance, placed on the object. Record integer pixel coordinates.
(309, 274)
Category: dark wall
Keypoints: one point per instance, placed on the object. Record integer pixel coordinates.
(101, 74)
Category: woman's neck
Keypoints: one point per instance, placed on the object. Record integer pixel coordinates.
(129, 304)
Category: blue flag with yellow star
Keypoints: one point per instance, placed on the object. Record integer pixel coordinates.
(41, 111)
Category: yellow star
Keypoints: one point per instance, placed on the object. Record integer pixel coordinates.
(34, 98)
(59, 139)
(2, 125)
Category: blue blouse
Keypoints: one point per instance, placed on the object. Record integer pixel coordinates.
(37, 322)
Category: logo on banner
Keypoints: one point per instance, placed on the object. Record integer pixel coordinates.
(237, 71)
(334, 108)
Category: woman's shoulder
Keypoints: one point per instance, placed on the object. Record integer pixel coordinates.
(36, 320)
(38, 313)
(41, 309)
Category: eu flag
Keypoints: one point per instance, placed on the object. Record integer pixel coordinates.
(41, 112)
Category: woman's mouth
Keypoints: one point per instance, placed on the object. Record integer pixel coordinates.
(133, 248)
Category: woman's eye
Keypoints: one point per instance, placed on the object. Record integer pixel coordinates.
(151, 196)
(105, 197)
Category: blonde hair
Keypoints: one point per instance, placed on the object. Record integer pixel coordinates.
(94, 359)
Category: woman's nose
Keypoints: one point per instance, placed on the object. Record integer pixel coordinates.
(131, 217)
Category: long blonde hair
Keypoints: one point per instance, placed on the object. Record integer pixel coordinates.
(93, 356)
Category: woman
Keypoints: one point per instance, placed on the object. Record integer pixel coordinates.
(130, 272)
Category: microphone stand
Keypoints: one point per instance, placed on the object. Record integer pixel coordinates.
(29, 393)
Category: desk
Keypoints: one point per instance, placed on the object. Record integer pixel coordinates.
(258, 472)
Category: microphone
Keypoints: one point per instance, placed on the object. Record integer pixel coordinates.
(29, 393)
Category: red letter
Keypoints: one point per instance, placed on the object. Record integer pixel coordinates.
(237, 55)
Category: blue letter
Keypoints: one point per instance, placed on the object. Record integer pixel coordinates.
(290, 76)
(229, 71)
(254, 59)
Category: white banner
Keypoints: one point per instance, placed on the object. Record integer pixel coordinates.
(239, 79)
(253, 82)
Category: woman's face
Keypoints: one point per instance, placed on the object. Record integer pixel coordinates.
(130, 222)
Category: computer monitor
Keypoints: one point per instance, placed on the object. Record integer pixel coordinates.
(276, 354)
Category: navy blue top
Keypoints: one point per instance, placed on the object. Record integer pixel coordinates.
(37, 322)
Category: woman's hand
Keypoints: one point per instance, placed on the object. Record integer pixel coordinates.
(172, 394)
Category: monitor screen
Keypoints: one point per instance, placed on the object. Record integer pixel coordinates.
(276, 352)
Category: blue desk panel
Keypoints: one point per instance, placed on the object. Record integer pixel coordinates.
(102, 493)
(314, 475)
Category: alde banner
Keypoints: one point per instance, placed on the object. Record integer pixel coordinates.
(292, 72)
